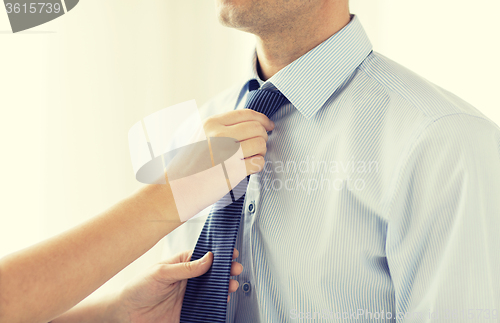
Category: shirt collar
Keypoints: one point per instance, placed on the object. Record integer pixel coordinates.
(311, 79)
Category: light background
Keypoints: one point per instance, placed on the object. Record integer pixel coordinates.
(70, 90)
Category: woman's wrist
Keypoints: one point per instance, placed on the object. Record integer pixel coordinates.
(115, 311)
(159, 207)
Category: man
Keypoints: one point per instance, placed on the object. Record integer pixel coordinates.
(379, 196)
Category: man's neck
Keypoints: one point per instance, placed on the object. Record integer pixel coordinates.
(278, 49)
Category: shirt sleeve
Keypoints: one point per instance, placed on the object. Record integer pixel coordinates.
(443, 239)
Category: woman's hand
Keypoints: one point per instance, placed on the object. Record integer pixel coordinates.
(158, 295)
(249, 128)
(235, 148)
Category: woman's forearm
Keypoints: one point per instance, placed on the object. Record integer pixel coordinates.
(73, 264)
(102, 310)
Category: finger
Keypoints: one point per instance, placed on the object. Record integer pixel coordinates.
(228, 298)
(236, 253)
(233, 285)
(254, 146)
(236, 268)
(254, 164)
(246, 130)
(184, 270)
(237, 116)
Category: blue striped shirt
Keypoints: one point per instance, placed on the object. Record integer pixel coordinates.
(379, 200)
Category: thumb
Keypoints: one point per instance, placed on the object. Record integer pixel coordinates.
(185, 270)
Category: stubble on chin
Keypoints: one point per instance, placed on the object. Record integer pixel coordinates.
(242, 15)
(262, 17)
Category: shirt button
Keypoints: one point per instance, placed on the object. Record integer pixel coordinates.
(251, 207)
(246, 287)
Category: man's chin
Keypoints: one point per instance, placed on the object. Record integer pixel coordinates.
(229, 18)
(234, 13)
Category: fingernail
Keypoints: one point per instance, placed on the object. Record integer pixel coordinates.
(204, 259)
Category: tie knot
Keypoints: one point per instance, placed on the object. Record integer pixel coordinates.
(264, 101)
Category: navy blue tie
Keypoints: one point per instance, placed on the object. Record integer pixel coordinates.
(206, 296)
